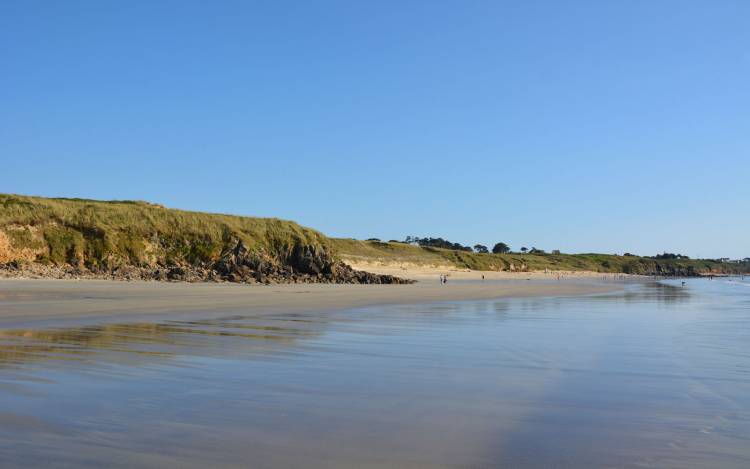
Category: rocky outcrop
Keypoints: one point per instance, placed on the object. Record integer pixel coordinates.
(660, 269)
(237, 263)
(304, 263)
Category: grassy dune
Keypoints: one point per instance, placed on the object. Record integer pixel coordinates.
(105, 234)
(400, 253)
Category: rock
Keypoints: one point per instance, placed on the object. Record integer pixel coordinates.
(236, 263)
(176, 273)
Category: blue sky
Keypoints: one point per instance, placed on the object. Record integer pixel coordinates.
(581, 126)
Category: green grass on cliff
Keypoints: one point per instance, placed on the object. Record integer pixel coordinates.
(375, 251)
(109, 233)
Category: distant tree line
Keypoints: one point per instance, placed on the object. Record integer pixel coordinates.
(437, 243)
(669, 255)
(498, 248)
(502, 248)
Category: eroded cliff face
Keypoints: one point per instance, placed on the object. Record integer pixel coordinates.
(299, 263)
(20, 243)
(5, 249)
(661, 269)
(57, 251)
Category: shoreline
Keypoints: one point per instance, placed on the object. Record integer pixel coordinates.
(25, 302)
(431, 272)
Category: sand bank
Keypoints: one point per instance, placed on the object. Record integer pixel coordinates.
(430, 272)
(24, 301)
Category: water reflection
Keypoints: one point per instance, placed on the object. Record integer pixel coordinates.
(237, 335)
(232, 336)
(649, 291)
(654, 376)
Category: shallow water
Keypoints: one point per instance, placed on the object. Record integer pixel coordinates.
(655, 376)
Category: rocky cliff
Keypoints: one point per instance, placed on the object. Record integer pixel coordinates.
(71, 238)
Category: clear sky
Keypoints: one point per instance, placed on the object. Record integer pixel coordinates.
(583, 126)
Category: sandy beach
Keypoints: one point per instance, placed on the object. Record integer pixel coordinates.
(431, 272)
(23, 301)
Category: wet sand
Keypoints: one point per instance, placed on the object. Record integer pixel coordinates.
(654, 374)
(103, 374)
(23, 301)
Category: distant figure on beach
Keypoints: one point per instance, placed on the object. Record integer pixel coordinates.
(483, 277)
(441, 279)
(445, 278)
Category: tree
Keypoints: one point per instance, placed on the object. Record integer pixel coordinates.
(524, 249)
(436, 243)
(500, 248)
(669, 255)
(481, 248)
